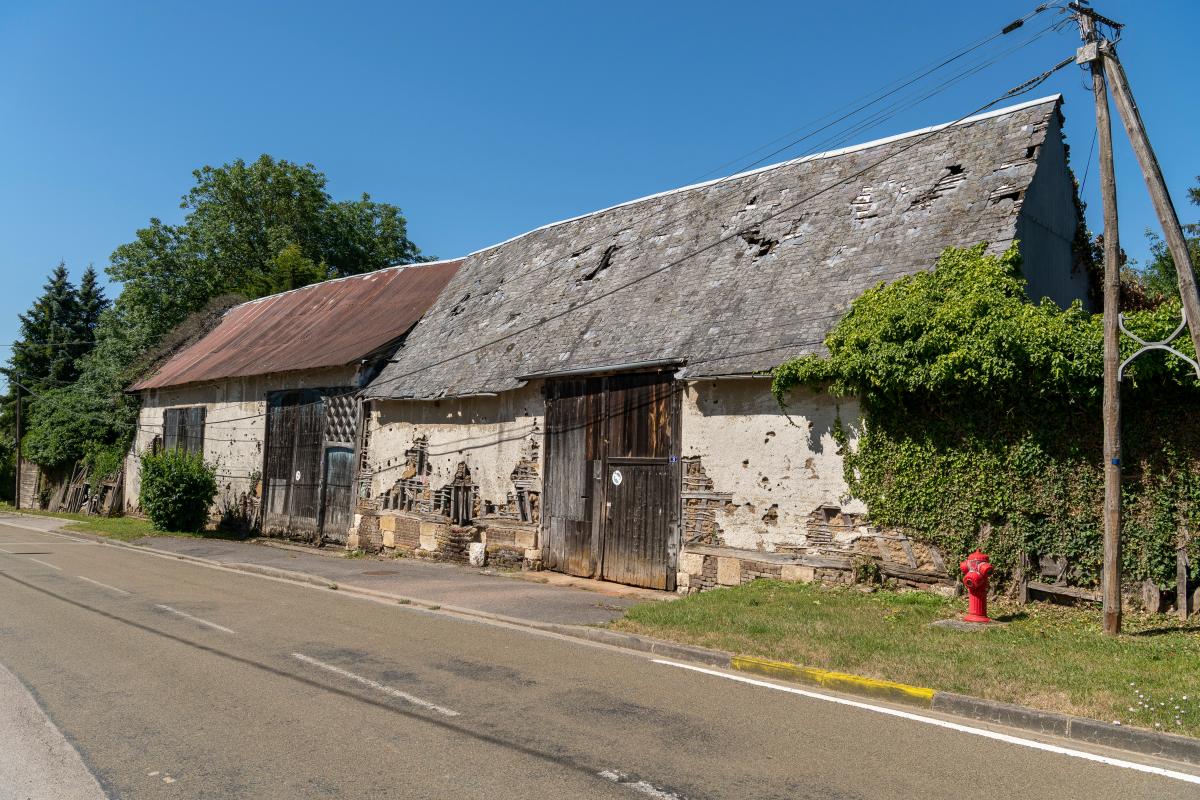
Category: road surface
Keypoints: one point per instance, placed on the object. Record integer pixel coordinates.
(176, 680)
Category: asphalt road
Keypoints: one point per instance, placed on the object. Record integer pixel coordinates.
(174, 680)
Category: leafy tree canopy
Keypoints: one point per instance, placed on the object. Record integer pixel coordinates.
(256, 229)
(1159, 274)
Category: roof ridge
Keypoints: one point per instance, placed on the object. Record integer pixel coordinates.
(1057, 98)
(361, 275)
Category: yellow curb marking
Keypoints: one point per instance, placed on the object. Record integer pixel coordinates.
(835, 680)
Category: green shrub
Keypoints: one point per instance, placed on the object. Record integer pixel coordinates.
(981, 426)
(177, 490)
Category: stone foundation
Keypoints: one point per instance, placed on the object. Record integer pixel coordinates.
(508, 543)
(704, 567)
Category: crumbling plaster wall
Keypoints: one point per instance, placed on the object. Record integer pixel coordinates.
(491, 435)
(766, 474)
(234, 427)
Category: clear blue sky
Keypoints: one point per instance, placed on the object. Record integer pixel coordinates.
(483, 120)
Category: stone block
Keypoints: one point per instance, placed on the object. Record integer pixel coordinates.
(797, 572)
(387, 523)
(477, 554)
(691, 563)
(533, 554)
(352, 539)
(526, 540)
(389, 533)
(682, 581)
(429, 533)
(729, 571)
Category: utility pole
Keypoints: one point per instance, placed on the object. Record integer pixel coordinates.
(1111, 576)
(17, 493)
(1101, 55)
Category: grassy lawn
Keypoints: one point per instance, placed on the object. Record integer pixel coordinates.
(1049, 657)
(125, 529)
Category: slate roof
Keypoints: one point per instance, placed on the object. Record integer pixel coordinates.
(573, 295)
(327, 324)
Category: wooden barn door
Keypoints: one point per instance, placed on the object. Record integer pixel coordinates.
(567, 496)
(641, 481)
(292, 463)
(339, 481)
(611, 488)
(337, 487)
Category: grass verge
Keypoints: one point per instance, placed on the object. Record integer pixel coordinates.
(125, 529)
(1047, 657)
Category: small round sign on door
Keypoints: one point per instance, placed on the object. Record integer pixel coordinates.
(617, 477)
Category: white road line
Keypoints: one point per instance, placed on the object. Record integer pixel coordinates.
(954, 726)
(45, 564)
(205, 622)
(388, 690)
(102, 585)
(641, 787)
(8, 523)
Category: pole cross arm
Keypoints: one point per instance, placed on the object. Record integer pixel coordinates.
(1164, 344)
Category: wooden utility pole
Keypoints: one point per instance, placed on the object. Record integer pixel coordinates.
(1163, 206)
(1111, 576)
(1101, 56)
(17, 493)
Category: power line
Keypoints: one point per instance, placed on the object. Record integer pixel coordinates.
(918, 140)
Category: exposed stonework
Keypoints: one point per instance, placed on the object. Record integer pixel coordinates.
(451, 476)
(702, 506)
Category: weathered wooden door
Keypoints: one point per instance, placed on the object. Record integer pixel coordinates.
(339, 479)
(642, 483)
(611, 488)
(567, 508)
(292, 463)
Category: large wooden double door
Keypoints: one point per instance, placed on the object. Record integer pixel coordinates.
(611, 487)
(308, 466)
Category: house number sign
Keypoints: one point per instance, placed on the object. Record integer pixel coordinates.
(297, 475)
(617, 477)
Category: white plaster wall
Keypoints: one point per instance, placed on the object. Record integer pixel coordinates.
(489, 434)
(750, 449)
(234, 425)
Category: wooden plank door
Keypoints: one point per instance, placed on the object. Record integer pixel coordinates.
(292, 463)
(566, 496)
(611, 488)
(277, 461)
(339, 480)
(641, 481)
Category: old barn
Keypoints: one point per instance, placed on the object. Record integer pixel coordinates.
(268, 396)
(590, 396)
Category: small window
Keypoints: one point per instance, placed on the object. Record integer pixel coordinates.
(183, 429)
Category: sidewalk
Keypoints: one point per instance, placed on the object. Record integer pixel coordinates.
(524, 596)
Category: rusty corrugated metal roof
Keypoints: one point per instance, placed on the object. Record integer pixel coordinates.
(327, 324)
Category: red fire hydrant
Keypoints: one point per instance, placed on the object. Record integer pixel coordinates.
(976, 570)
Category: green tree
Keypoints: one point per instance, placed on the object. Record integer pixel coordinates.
(92, 304)
(254, 229)
(1159, 275)
(45, 353)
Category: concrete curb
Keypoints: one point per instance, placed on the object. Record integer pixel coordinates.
(1164, 745)
(1137, 740)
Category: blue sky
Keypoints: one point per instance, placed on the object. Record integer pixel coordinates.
(484, 120)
